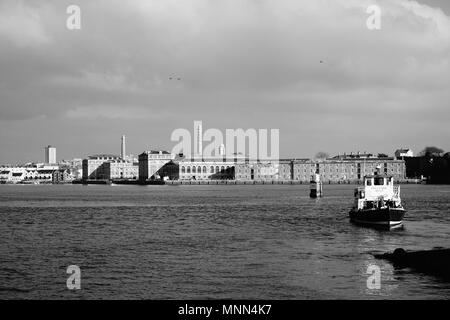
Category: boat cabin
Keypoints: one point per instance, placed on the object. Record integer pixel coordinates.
(378, 190)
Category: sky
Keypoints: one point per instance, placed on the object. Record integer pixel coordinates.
(311, 69)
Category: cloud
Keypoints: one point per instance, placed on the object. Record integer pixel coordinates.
(220, 60)
(96, 81)
(114, 112)
(22, 24)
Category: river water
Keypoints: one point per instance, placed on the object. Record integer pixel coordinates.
(210, 242)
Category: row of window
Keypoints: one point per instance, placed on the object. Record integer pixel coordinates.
(203, 169)
(323, 170)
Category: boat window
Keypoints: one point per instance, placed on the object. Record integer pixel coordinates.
(379, 181)
(369, 182)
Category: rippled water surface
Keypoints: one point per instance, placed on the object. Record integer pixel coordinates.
(195, 242)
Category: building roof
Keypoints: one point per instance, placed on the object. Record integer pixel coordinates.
(354, 156)
(121, 161)
(157, 152)
(96, 156)
(45, 171)
(402, 150)
(378, 176)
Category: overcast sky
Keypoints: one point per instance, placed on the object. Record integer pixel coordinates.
(242, 64)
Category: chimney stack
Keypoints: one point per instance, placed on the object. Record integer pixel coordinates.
(123, 148)
(198, 138)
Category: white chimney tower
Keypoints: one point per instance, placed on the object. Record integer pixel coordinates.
(198, 138)
(222, 150)
(123, 152)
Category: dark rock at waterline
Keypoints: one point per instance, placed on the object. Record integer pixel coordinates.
(434, 262)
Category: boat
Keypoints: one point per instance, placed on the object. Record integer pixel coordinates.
(378, 203)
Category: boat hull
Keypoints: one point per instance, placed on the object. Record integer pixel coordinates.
(387, 218)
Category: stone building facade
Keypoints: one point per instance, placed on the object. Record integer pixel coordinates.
(331, 170)
(343, 170)
(121, 169)
(109, 167)
(155, 165)
(206, 169)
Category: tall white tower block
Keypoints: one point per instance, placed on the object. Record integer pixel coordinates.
(50, 155)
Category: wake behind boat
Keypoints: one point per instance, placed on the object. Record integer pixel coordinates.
(378, 203)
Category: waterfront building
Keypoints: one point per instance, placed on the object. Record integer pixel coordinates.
(61, 176)
(17, 175)
(42, 174)
(93, 166)
(169, 171)
(213, 168)
(121, 169)
(35, 173)
(346, 169)
(198, 168)
(74, 167)
(156, 164)
(109, 167)
(258, 170)
(71, 163)
(342, 168)
(402, 153)
(5, 174)
(50, 155)
(286, 170)
(39, 172)
(43, 166)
